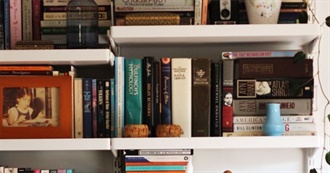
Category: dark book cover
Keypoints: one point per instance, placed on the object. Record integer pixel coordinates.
(87, 111)
(227, 109)
(201, 93)
(148, 92)
(36, 18)
(156, 85)
(253, 68)
(166, 88)
(216, 89)
(100, 109)
(107, 106)
(274, 88)
(94, 108)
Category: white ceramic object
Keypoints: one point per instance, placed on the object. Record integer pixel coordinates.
(263, 11)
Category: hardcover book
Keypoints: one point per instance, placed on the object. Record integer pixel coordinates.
(15, 22)
(258, 106)
(238, 119)
(272, 68)
(87, 112)
(227, 109)
(78, 108)
(166, 91)
(100, 108)
(257, 54)
(157, 105)
(133, 91)
(181, 94)
(287, 127)
(216, 101)
(169, 5)
(279, 88)
(201, 97)
(119, 96)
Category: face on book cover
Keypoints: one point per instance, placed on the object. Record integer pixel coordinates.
(228, 99)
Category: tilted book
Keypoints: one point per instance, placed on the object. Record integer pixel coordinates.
(201, 97)
(181, 94)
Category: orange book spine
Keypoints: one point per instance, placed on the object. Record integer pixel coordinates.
(205, 4)
(25, 68)
(155, 163)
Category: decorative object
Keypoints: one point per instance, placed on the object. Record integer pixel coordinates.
(136, 130)
(273, 125)
(168, 130)
(30, 107)
(263, 11)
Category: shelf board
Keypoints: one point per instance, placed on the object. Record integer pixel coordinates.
(298, 34)
(56, 57)
(308, 142)
(54, 144)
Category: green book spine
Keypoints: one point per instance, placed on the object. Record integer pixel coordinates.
(133, 91)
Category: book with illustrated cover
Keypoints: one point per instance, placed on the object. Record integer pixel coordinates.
(165, 91)
(87, 111)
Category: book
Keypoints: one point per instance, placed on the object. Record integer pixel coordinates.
(36, 18)
(119, 96)
(148, 91)
(228, 72)
(2, 26)
(272, 88)
(272, 68)
(227, 109)
(157, 104)
(181, 94)
(155, 167)
(94, 108)
(15, 22)
(26, 68)
(216, 101)
(78, 108)
(260, 133)
(158, 158)
(287, 127)
(257, 54)
(112, 108)
(238, 119)
(65, 2)
(198, 12)
(178, 5)
(27, 20)
(201, 92)
(204, 18)
(258, 106)
(101, 131)
(154, 163)
(133, 91)
(107, 107)
(6, 20)
(164, 152)
(87, 111)
(166, 91)
(47, 73)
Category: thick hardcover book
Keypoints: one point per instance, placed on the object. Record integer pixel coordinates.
(216, 102)
(257, 54)
(274, 88)
(272, 68)
(166, 91)
(87, 111)
(157, 105)
(287, 127)
(201, 97)
(133, 91)
(258, 106)
(119, 96)
(148, 92)
(100, 109)
(238, 119)
(227, 109)
(181, 94)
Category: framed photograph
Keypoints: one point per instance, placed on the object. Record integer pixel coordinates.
(36, 107)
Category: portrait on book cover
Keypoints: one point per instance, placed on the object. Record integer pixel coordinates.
(27, 106)
(36, 106)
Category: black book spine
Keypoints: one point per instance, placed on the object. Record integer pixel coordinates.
(148, 92)
(216, 76)
(156, 84)
(100, 109)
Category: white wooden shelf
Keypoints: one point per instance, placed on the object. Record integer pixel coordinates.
(57, 57)
(297, 34)
(54, 144)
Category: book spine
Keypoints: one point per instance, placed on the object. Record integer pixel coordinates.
(258, 106)
(50, 73)
(261, 119)
(148, 93)
(133, 91)
(87, 113)
(201, 92)
(181, 94)
(119, 96)
(6, 24)
(287, 127)
(260, 133)
(172, 171)
(27, 19)
(52, 23)
(228, 72)
(102, 15)
(166, 91)
(216, 89)
(275, 88)
(107, 107)
(2, 26)
(154, 163)
(227, 109)
(158, 158)
(15, 22)
(36, 18)
(205, 4)
(157, 105)
(165, 6)
(257, 54)
(272, 67)
(100, 109)
(155, 167)
(94, 107)
(112, 108)
(78, 111)
(198, 12)
(26, 68)
(165, 152)
(65, 2)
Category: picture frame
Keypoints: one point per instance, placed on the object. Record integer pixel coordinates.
(36, 107)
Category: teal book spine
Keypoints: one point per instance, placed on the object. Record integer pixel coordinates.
(133, 91)
(156, 168)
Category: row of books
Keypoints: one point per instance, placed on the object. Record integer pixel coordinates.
(6, 169)
(254, 79)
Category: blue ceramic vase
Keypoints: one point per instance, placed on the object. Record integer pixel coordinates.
(273, 125)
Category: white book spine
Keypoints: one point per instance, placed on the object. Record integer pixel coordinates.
(198, 12)
(27, 19)
(158, 158)
(261, 119)
(259, 133)
(181, 94)
(78, 108)
(287, 127)
(119, 96)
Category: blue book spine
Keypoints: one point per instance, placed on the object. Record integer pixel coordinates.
(87, 114)
(156, 168)
(112, 108)
(133, 91)
(166, 91)
(94, 107)
(6, 25)
(100, 108)
(119, 96)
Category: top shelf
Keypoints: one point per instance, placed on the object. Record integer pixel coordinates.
(298, 34)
